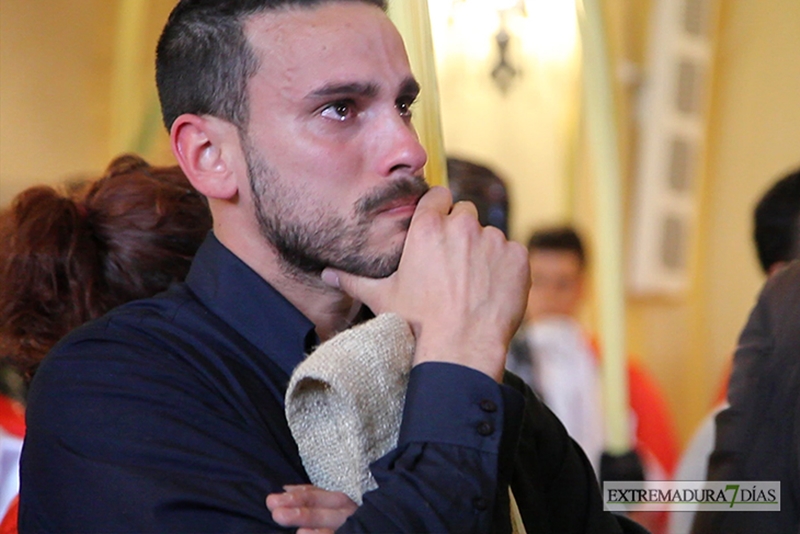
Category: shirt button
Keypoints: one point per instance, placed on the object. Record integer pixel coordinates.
(480, 503)
(485, 428)
(488, 406)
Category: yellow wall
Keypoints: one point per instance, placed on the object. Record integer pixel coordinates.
(56, 66)
(754, 138)
(54, 80)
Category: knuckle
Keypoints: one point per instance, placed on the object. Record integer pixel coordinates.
(465, 221)
(467, 205)
(495, 234)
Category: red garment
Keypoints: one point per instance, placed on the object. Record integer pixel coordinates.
(9, 523)
(12, 420)
(655, 428)
(12, 416)
(722, 392)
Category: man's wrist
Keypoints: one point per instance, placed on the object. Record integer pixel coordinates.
(485, 356)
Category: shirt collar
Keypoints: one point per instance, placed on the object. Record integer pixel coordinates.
(250, 305)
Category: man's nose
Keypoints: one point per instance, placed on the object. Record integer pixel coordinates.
(397, 146)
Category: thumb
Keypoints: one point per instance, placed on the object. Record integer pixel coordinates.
(367, 290)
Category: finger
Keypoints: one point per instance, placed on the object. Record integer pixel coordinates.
(275, 501)
(438, 199)
(331, 277)
(465, 207)
(294, 488)
(307, 495)
(311, 517)
(366, 290)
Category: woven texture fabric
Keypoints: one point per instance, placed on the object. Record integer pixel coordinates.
(345, 402)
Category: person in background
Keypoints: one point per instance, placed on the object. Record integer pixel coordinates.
(758, 434)
(745, 436)
(479, 184)
(552, 353)
(776, 224)
(561, 362)
(69, 258)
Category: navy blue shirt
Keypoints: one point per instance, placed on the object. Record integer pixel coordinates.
(167, 415)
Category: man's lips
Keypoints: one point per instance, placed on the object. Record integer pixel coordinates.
(401, 205)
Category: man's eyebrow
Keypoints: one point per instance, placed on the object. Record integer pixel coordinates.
(340, 89)
(410, 86)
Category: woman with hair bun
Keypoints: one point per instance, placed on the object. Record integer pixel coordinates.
(69, 258)
(66, 259)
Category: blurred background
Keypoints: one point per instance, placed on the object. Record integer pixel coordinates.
(707, 109)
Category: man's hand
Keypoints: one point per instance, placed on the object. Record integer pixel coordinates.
(312, 509)
(461, 287)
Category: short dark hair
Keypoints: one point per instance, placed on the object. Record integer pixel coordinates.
(204, 61)
(483, 187)
(559, 238)
(776, 219)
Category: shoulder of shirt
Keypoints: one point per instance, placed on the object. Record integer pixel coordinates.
(174, 311)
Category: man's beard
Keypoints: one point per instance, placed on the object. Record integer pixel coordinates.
(309, 241)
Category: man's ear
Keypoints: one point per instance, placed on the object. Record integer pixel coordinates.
(208, 150)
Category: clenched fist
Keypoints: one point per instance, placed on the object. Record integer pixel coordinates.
(461, 287)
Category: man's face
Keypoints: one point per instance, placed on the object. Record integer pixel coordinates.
(335, 165)
(556, 284)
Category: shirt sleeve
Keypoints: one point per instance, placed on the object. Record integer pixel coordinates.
(463, 441)
(444, 474)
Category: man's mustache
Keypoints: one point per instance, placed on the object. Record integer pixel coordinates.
(411, 187)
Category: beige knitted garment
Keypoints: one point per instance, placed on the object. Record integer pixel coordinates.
(344, 405)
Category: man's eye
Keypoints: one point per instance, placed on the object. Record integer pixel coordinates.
(404, 107)
(339, 111)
